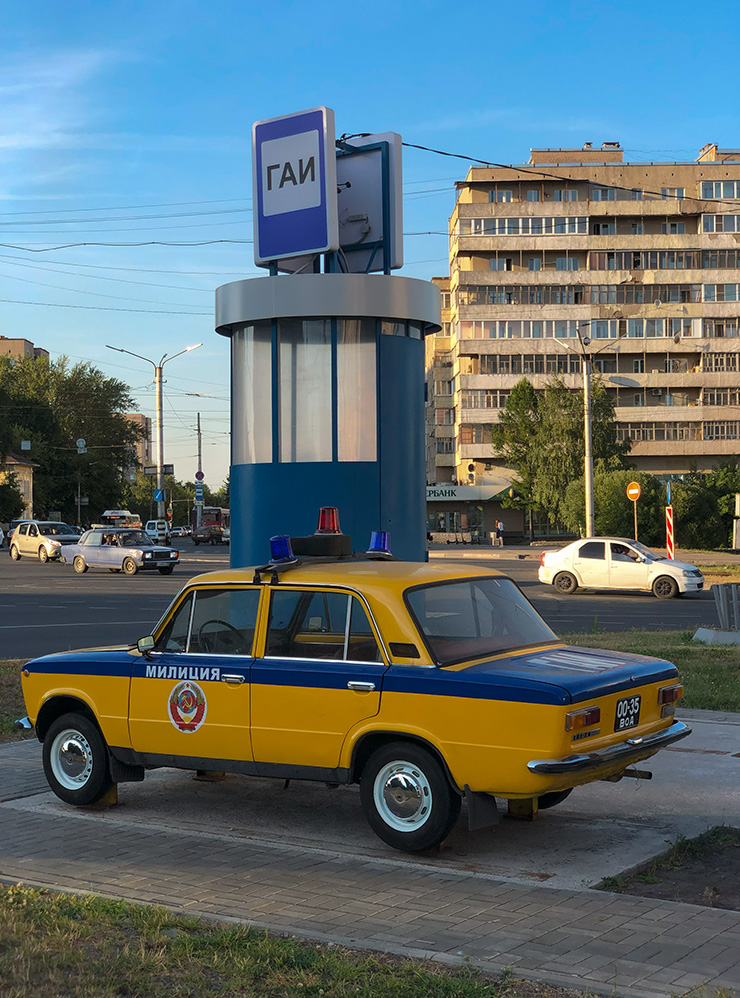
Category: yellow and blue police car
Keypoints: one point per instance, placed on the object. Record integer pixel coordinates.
(428, 685)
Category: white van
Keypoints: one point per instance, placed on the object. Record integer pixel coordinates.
(158, 531)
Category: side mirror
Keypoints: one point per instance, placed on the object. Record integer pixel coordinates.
(145, 644)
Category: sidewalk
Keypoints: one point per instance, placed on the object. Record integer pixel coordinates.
(610, 943)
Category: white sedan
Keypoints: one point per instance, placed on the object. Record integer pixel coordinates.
(617, 563)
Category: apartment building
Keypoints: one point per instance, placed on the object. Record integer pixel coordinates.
(19, 348)
(641, 259)
(144, 445)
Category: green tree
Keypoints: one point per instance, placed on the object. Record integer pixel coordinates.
(11, 500)
(541, 436)
(53, 404)
(614, 513)
(697, 522)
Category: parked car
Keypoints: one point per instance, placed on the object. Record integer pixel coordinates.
(425, 684)
(179, 532)
(42, 539)
(159, 531)
(226, 535)
(128, 551)
(210, 533)
(617, 563)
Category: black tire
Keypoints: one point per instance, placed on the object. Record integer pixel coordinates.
(76, 760)
(79, 564)
(665, 587)
(43, 555)
(196, 541)
(565, 583)
(14, 553)
(115, 570)
(550, 800)
(129, 566)
(407, 799)
(166, 569)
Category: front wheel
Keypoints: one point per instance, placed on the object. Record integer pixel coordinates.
(76, 760)
(129, 566)
(14, 553)
(665, 587)
(79, 565)
(407, 799)
(166, 569)
(43, 555)
(550, 800)
(565, 583)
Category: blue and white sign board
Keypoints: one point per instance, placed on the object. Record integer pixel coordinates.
(294, 182)
(198, 492)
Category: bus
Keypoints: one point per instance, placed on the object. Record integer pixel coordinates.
(119, 518)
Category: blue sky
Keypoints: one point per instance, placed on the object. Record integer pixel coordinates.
(127, 122)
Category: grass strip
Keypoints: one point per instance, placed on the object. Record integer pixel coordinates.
(69, 946)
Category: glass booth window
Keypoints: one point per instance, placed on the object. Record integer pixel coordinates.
(356, 390)
(304, 400)
(251, 363)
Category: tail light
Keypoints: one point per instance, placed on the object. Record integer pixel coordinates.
(584, 718)
(328, 520)
(542, 559)
(670, 694)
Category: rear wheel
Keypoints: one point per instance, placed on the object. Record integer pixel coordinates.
(196, 541)
(43, 555)
(14, 552)
(665, 587)
(550, 800)
(129, 566)
(166, 569)
(79, 565)
(76, 760)
(407, 799)
(565, 583)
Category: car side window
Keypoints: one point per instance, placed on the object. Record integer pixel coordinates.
(93, 539)
(174, 637)
(23, 529)
(592, 549)
(224, 621)
(320, 625)
(32, 531)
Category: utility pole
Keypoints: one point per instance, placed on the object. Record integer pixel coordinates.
(158, 382)
(199, 507)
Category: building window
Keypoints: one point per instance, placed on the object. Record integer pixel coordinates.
(638, 366)
(673, 228)
(476, 433)
(444, 417)
(562, 194)
(604, 228)
(533, 194)
(500, 263)
(638, 399)
(672, 192)
(566, 263)
(444, 387)
(446, 299)
(636, 194)
(499, 197)
(637, 228)
(720, 189)
(603, 194)
(535, 263)
(446, 445)
(304, 390)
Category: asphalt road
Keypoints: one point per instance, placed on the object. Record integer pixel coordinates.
(48, 608)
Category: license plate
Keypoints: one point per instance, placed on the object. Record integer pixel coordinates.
(628, 713)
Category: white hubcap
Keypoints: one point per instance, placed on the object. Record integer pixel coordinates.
(403, 796)
(71, 759)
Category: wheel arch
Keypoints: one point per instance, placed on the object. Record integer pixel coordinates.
(373, 740)
(64, 703)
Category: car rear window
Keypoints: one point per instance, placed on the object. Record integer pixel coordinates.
(475, 617)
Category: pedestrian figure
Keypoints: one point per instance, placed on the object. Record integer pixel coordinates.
(499, 533)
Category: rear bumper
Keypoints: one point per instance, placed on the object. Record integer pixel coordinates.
(621, 752)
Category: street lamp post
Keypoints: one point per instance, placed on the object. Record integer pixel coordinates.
(588, 455)
(158, 382)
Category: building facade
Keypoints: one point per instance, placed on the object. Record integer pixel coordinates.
(18, 348)
(144, 444)
(638, 264)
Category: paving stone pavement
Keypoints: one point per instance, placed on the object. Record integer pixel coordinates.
(597, 941)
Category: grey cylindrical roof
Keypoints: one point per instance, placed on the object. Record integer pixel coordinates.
(309, 295)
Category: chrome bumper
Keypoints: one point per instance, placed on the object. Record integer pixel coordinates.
(624, 751)
(22, 724)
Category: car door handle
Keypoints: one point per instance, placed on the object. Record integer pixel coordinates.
(230, 677)
(356, 684)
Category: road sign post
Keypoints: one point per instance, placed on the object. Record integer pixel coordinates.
(669, 531)
(633, 493)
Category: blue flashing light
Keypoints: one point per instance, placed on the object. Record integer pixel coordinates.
(380, 544)
(281, 553)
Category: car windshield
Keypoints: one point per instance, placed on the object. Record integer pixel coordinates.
(134, 539)
(646, 552)
(52, 529)
(475, 617)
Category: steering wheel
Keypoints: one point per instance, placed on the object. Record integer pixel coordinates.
(230, 636)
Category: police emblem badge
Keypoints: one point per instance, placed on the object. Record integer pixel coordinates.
(187, 706)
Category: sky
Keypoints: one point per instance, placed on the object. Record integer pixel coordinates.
(129, 122)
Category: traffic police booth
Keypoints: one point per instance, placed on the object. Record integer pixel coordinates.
(327, 355)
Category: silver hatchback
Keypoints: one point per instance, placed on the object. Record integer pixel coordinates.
(42, 539)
